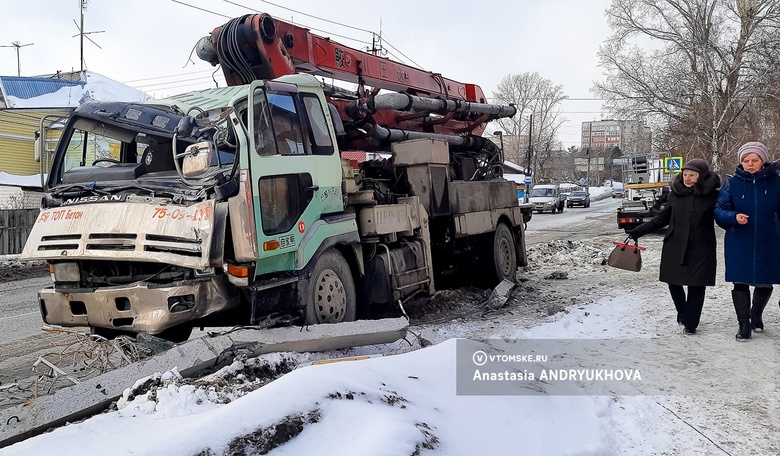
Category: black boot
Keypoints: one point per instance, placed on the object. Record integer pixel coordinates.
(761, 297)
(693, 307)
(742, 308)
(678, 297)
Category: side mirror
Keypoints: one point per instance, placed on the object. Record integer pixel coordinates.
(197, 159)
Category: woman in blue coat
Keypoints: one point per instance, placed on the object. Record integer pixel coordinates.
(748, 209)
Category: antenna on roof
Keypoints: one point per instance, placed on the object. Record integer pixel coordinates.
(82, 33)
(16, 45)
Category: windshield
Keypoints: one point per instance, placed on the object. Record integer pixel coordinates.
(94, 151)
(542, 192)
(579, 194)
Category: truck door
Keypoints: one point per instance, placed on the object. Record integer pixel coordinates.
(289, 162)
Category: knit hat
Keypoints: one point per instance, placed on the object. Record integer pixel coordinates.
(753, 148)
(698, 165)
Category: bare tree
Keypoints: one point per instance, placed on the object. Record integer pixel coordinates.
(699, 69)
(538, 112)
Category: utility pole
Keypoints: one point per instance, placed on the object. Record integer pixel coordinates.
(82, 34)
(16, 45)
(590, 141)
(530, 144)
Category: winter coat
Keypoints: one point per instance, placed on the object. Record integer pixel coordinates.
(689, 254)
(752, 250)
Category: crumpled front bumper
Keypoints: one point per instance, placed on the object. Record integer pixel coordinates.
(140, 307)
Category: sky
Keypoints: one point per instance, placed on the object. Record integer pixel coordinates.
(147, 44)
(694, 398)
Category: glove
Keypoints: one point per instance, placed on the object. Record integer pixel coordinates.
(633, 235)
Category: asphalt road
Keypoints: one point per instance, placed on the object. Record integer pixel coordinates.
(22, 340)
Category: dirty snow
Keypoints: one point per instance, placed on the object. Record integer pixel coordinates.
(404, 402)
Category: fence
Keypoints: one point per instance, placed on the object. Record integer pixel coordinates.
(15, 226)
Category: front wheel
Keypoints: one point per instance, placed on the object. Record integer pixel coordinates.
(328, 295)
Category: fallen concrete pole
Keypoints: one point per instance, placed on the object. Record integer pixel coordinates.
(94, 395)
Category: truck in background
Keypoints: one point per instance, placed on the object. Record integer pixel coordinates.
(646, 187)
(239, 206)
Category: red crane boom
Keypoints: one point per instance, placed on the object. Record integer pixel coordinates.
(260, 47)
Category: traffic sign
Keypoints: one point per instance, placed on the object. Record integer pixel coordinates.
(673, 164)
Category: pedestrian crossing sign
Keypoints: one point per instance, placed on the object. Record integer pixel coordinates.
(673, 164)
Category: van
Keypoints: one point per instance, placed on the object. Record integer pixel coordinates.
(546, 197)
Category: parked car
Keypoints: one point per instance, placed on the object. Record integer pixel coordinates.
(618, 192)
(578, 199)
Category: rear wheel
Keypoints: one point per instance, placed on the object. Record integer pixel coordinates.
(502, 264)
(328, 295)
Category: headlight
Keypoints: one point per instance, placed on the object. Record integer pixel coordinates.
(66, 272)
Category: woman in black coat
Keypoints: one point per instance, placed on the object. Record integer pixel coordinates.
(689, 253)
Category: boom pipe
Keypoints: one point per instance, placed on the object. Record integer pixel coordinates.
(261, 47)
(461, 142)
(405, 102)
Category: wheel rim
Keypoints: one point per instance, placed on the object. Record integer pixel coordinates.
(505, 257)
(330, 297)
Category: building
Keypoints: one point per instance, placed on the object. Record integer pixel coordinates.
(632, 137)
(24, 101)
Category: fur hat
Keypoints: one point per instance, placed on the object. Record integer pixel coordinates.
(753, 148)
(698, 165)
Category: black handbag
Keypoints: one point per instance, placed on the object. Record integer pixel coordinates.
(626, 256)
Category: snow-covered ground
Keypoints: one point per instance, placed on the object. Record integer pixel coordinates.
(702, 394)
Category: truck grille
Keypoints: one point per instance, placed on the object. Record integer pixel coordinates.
(124, 242)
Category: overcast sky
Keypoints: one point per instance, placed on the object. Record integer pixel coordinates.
(147, 43)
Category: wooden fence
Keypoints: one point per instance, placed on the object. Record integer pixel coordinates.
(15, 226)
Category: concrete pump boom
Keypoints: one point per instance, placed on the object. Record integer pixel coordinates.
(261, 47)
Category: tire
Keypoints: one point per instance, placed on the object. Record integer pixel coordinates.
(328, 295)
(502, 263)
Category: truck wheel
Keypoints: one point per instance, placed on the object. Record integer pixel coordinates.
(504, 258)
(329, 294)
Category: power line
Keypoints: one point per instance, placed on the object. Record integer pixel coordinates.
(201, 9)
(307, 15)
(168, 76)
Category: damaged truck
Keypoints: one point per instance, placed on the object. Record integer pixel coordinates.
(276, 200)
